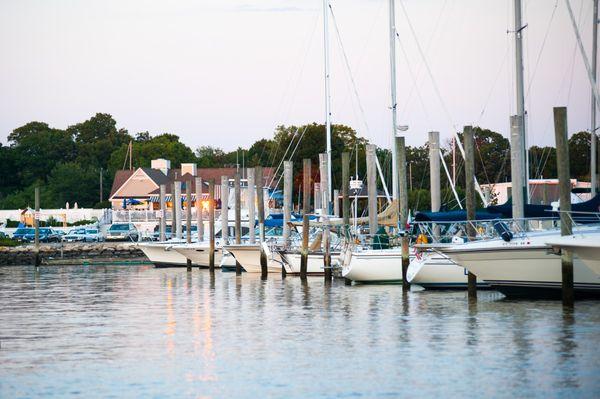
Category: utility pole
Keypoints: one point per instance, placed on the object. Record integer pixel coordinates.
(392, 28)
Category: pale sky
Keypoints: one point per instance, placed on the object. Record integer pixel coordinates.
(226, 72)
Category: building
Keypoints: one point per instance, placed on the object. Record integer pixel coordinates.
(139, 189)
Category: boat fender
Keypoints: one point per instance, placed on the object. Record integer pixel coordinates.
(422, 239)
(503, 230)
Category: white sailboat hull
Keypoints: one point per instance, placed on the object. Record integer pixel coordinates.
(315, 265)
(432, 270)
(587, 249)
(524, 267)
(162, 254)
(374, 266)
(248, 255)
(199, 254)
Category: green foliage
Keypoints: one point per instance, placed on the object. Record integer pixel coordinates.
(146, 148)
(8, 242)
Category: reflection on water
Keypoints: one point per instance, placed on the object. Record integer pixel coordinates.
(138, 331)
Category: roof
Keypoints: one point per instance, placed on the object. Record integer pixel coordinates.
(158, 177)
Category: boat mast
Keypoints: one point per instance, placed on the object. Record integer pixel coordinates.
(593, 169)
(521, 99)
(327, 93)
(392, 22)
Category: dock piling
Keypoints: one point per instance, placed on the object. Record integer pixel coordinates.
(306, 175)
(564, 184)
(36, 224)
(163, 213)
(199, 210)
(211, 226)
(260, 202)
(224, 209)
(324, 167)
(177, 209)
(372, 190)
(251, 204)
(287, 201)
(188, 219)
(400, 148)
(469, 145)
(238, 218)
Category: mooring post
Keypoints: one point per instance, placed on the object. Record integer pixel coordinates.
(188, 218)
(434, 176)
(224, 209)
(36, 224)
(325, 208)
(211, 225)
(400, 147)
(163, 213)
(564, 183)
(238, 218)
(251, 198)
(336, 203)
(199, 210)
(306, 175)
(287, 201)
(177, 205)
(469, 145)
(346, 201)
(260, 202)
(372, 190)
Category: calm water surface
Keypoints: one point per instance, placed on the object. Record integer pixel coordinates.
(122, 331)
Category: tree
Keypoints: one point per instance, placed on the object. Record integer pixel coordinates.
(579, 155)
(97, 139)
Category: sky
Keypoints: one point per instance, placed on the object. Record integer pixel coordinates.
(226, 73)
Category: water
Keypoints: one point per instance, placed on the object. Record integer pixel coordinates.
(123, 331)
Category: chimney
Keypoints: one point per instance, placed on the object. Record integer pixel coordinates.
(161, 164)
(190, 168)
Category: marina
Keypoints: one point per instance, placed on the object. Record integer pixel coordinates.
(325, 260)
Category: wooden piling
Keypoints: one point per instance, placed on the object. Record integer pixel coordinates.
(173, 213)
(163, 213)
(469, 146)
(36, 224)
(564, 183)
(372, 190)
(238, 218)
(346, 201)
(199, 210)
(260, 202)
(287, 201)
(177, 205)
(251, 204)
(306, 178)
(211, 225)
(224, 209)
(325, 209)
(400, 148)
(336, 203)
(188, 218)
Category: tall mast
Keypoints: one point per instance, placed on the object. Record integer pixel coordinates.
(593, 161)
(521, 99)
(327, 92)
(392, 16)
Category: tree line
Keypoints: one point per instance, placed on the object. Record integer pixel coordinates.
(69, 163)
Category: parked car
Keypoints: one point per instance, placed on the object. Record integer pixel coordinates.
(75, 235)
(47, 234)
(20, 233)
(156, 234)
(93, 235)
(122, 232)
